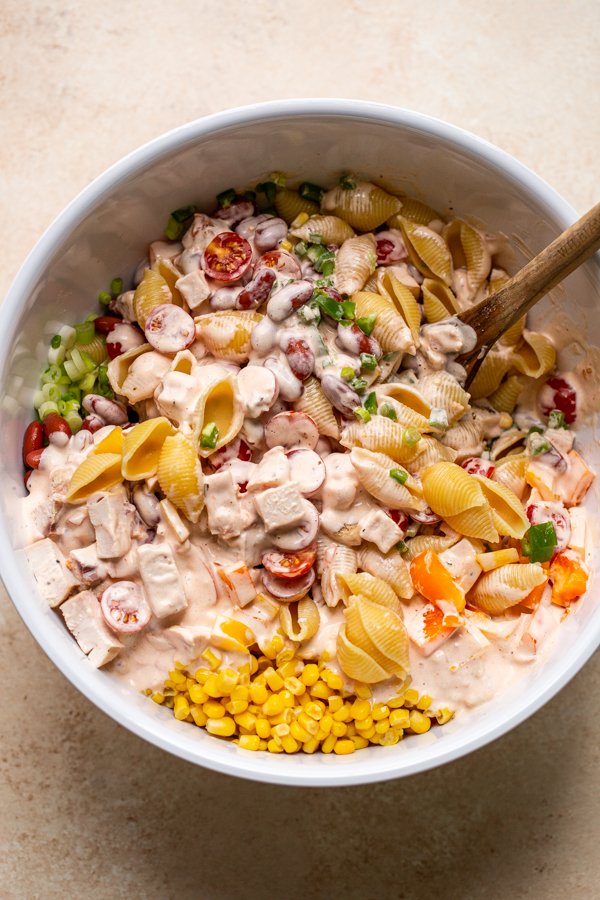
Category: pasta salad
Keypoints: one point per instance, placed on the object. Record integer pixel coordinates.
(259, 492)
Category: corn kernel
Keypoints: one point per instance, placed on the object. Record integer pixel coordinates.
(410, 697)
(289, 744)
(213, 659)
(310, 746)
(211, 686)
(177, 676)
(382, 726)
(274, 747)
(424, 702)
(253, 665)
(200, 718)
(310, 675)
(364, 724)
(399, 718)
(240, 692)
(201, 675)
(443, 715)
(314, 710)
(258, 693)
(311, 725)
(281, 730)
(329, 743)
(274, 680)
(249, 742)
(304, 699)
(294, 686)
(287, 697)
(344, 713)
(235, 707)
(418, 722)
(171, 685)
(227, 680)
(335, 703)
(285, 656)
(360, 709)
(263, 728)
(213, 709)
(332, 679)
(190, 682)
(396, 702)
(244, 669)
(342, 748)
(380, 711)
(223, 727)
(375, 738)
(181, 707)
(299, 733)
(390, 738)
(321, 690)
(359, 742)
(254, 709)
(369, 733)
(246, 720)
(273, 705)
(285, 716)
(300, 219)
(197, 694)
(262, 745)
(326, 723)
(286, 245)
(351, 729)
(339, 729)
(158, 697)
(363, 691)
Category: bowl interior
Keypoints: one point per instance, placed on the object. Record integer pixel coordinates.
(104, 233)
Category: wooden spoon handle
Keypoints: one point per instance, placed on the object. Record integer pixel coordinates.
(493, 316)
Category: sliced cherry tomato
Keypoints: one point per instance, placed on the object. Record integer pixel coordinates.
(400, 518)
(53, 423)
(227, 257)
(474, 465)
(33, 439)
(125, 607)
(282, 261)
(105, 324)
(289, 565)
(169, 328)
(557, 393)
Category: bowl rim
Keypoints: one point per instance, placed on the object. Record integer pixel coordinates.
(346, 771)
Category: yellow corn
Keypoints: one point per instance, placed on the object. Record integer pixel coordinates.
(299, 733)
(314, 711)
(396, 702)
(390, 738)
(258, 693)
(360, 709)
(181, 707)
(418, 722)
(211, 686)
(329, 743)
(359, 742)
(197, 694)
(294, 686)
(310, 725)
(321, 690)
(326, 723)
(281, 730)
(189, 683)
(213, 659)
(344, 713)
(289, 744)
(444, 715)
(274, 747)
(344, 747)
(334, 703)
(310, 675)
(213, 709)
(369, 733)
(285, 656)
(424, 702)
(177, 676)
(286, 245)
(253, 665)
(380, 711)
(285, 716)
(363, 691)
(199, 717)
(235, 707)
(240, 692)
(382, 726)
(249, 742)
(274, 680)
(399, 718)
(158, 697)
(410, 697)
(227, 680)
(223, 727)
(310, 746)
(201, 675)
(364, 724)
(287, 697)
(300, 219)
(273, 705)
(247, 720)
(332, 679)
(339, 729)
(263, 728)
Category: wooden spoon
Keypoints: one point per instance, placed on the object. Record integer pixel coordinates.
(494, 315)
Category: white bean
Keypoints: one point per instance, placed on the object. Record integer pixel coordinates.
(290, 388)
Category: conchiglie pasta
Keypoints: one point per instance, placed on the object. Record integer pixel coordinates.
(498, 590)
(390, 329)
(414, 211)
(373, 470)
(152, 291)
(450, 490)
(97, 472)
(373, 588)
(356, 663)
(510, 472)
(383, 436)
(226, 334)
(315, 404)
(112, 443)
(512, 335)
(289, 204)
(355, 261)
(218, 404)
(476, 522)
(407, 395)
(439, 301)
(180, 476)
(403, 299)
(118, 368)
(95, 349)
(300, 621)
(337, 560)
(534, 356)
(167, 270)
(427, 251)
(422, 542)
(505, 397)
(379, 631)
(432, 451)
(326, 229)
(442, 390)
(142, 445)
(469, 251)
(390, 567)
(489, 375)
(404, 415)
(364, 207)
(508, 514)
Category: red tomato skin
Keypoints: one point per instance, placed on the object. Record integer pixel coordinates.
(228, 257)
(289, 565)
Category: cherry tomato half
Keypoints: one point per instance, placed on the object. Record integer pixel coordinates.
(227, 257)
(289, 565)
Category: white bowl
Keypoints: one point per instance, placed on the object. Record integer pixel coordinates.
(104, 232)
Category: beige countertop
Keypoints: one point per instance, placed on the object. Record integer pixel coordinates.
(87, 809)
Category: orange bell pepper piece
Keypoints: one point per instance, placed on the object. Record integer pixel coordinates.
(433, 581)
(568, 577)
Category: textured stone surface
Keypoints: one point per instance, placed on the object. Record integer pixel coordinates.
(87, 809)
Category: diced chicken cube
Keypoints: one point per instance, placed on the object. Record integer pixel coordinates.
(87, 568)
(239, 581)
(574, 486)
(461, 562)
(112, 519)
(577, 541)
(194, 288)
(281, 508)
(50, 570)
(126, 566)
(162, 583)
(272, 471)
(426, 627)
(85, 621)
(221, 497)
(381, 530)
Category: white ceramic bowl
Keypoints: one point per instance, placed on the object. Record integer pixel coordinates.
(105, 230)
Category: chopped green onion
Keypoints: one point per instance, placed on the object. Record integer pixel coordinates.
(278, 178)
(269, 189)
(49, 406)
(368, 362)
(315, 252)
(51, 374)
(401, 547)
(347, 373)
(104, 298)
(329, 306)
(300, 249)
(410, 436)
(556, 419)
(226, 198)
(412, 529)
(535, 429)
(324, 261)
(56, 342)
(438, 417)
(116, 286)
(309, 314)
(349, 309)
(538, 444)
(358, 385)
(176, 224)
(361, 413)
(539, 542)
(387, 410)
(328, 267)
(347, 183)
(399, 475)
(84, 332)
(311, 191)
(315, 238)
(209, 436)
(367, 323)
(370, 403)
(74, 421)
(184, 213)
(87, 382)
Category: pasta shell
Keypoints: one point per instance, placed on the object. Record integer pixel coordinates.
(505, 397)
(355, 261)
(387, 632)
(180, 476)
(489, 375)
(432, 452)
(534, 356)
(95, 349)
(171, 275)
(510, 472)
(337, 560)
(289, 204)
(498, 590)
(376, 480)
(363, 619)
(226, 334)
(184, 362)
(427, 251)
(404, 301)
(382, 435)
(507, 441)
(414, 211)
(315, 404)
(438, 300)
(300, 621)
(365, 206)
(142, 445)
(450, 490)
(97, 472)
(391, 567)
(152, 291)
(442, 390)
(118, 368)
(355, 663)
(476, 522)
(513, 335)
(327, 229)
(469, 251)
(372, 588)
(422, 542)
(407, 395)
(218, 403)
(404, 414)
(498, 278)
(403, 274)
(507, 512)
(112, 443)
(390, 329)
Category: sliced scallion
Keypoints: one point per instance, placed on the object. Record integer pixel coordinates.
(363, 414)
(399, 475)
(209, 436)
(226, 198)
(367, 323)
(310, 191)
(370, 403)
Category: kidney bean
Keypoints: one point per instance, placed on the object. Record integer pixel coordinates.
(290, 388)
(247, 227)
(289, 298)
(340, 395)
(264, 335)
(351, 338)
(474, 465)
(257, 290)
(54, 423)
(557, 393)
(299, 355)
(225, 297)
(547, 511)
(92, 423)
(235, 212)
(105, 324)
(390, 247)
(146, 505)
(282, 262)
(269, 233)
(33, 439)
(111, 412)
(32, 460)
